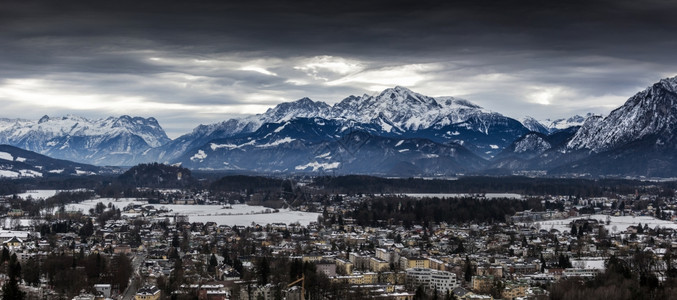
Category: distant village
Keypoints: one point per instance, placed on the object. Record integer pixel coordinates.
(145, 252)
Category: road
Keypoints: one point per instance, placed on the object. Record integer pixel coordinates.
(135, 282)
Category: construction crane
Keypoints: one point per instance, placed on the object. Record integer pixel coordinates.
(303, 285)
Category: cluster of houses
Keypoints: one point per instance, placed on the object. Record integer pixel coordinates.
(515, 259)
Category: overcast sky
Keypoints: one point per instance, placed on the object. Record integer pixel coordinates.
(206, 61)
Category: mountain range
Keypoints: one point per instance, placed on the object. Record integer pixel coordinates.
(396, 133)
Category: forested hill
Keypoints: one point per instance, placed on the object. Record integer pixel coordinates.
(522, 185)
(157, 175)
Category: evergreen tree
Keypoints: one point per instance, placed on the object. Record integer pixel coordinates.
(11, 288)
(5, 255)
(468, 269)
(213, 262)
(32, 272)
(420, 294)
(543, 266)
(460, 248)
(263, 270)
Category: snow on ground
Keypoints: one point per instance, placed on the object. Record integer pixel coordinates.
(616, 224)
(44, 194)
(200, 155)
(6, 156)
(487, 195)
(316, 166)
(240, 214)
(283, 216)
(38, 194)
(8, 234)
(9, 223)
(8, 173)
(120, 203)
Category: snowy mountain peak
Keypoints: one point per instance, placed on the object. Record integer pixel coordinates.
(652, 112)
(564, 123)
(531, 143)
(534, 125)
(302, 108)
(97, 141)
(669, 84)
(400, 94)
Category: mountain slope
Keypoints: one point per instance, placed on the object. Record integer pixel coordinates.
(109, 141)
(534, 125)
(319, 145)
(652, 112)
(19, 163)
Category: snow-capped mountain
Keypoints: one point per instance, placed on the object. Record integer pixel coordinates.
(534, 125)
(534, 148)
(636, 139)
(548, 126)
(395, 111)
(109, 141)
(405, 110)
(652, 112)
(395, 132)
(559, 124)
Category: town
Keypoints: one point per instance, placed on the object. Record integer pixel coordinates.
(151, 244)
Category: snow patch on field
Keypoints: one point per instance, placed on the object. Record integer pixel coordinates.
(200, 155)
(280, 128)
(30, 173)
(6, 156)
(38, 194)
(616, 223)
(323, 155)
(316, 166)
(230, 146)
(9, 174)
(239, 214)
(276, 143)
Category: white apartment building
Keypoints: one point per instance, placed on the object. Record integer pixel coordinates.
(431, 279)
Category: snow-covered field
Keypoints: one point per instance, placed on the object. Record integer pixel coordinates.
(487, 195)
(283, 216)
(616, 224)
(43, 194)
(240, 214)
(38, 194)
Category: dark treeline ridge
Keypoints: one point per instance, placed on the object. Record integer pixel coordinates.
(354, 184)
(434, 210)
(237, 183)
(164, 176)
(14, 186)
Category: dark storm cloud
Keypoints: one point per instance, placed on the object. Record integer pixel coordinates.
(510, 56)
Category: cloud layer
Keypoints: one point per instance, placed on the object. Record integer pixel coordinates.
(205, 61)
